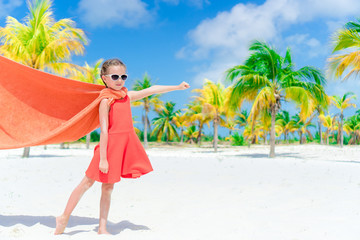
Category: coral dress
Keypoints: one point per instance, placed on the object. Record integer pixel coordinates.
(125, 154)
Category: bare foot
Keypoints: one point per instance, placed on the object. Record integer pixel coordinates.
(61, 223)
(103, 232)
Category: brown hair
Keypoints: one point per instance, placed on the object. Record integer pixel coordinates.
(108, 63)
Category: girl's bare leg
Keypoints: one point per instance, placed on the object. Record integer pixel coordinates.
(106, 191)
(61, 221)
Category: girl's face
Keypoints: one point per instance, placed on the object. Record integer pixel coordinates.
(114, 84)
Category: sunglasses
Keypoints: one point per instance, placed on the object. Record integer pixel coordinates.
(116, 76)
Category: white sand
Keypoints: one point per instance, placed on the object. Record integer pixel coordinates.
(306, 192)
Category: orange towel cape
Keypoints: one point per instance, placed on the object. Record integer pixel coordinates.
(38, 108)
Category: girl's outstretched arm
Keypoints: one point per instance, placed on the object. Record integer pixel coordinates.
(156, 89)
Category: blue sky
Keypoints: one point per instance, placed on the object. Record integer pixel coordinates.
(189, 40)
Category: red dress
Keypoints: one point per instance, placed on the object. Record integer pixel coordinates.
(125, 154)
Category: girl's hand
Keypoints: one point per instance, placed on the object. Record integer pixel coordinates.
(183, 86)
(104, 166)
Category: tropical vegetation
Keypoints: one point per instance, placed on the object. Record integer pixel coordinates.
(150, 102)
(248, 105)
(41, 42)
(267, 78)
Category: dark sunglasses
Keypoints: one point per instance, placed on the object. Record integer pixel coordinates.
(116, 76)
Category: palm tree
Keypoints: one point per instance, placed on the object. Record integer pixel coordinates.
(242, 119)
(41, 42)
(266, 78)
(230, 124)
(181, 120)
(197, 115)
(346, 41)
(265, 124)
(164, 124)
(89, 74)
(329, 122)
(152, 101)
(191, 133)
(213, 99)
(302, 127)
(252, 133)
(137, 131)
(283, 121)
(352, 127)
(320, 108)
(342, 104)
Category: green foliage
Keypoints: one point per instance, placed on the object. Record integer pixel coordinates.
(237, 140)
(346, 42)
(207, 138)
(41, 42)
(164, 124)
(333, 138)
(316, 137)
(150, 138)
(94, 136)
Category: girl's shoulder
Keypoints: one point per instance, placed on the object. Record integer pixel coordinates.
(105, 103)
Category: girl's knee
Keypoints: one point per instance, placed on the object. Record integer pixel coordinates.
(88, 182)
(107, 187)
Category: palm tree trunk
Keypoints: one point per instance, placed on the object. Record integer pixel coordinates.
(167, 137)
(148, 123)
(88, 140)
(215, 134)
(327, 137)
(199, 137)
(26, 152)
(272, 132)
(301, 137)
(145, 130)
(265, 137)
(341, 130)
(320, 132)
(182, 136)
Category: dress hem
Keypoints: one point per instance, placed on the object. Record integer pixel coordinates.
(129, 175)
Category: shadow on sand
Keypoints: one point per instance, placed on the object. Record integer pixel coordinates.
(48, 156)
(253, 155)
(49, 221)
(262, 155)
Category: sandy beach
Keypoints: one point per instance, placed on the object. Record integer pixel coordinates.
(306, 192)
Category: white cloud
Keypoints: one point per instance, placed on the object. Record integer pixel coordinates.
(313, 42)
(214, 72)
(334, 25)
(127, 13)
(7, 6)
(226, 37)
(230, 30)
(328, 8)
(304, 44)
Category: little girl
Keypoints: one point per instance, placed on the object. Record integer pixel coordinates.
(119, 152)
